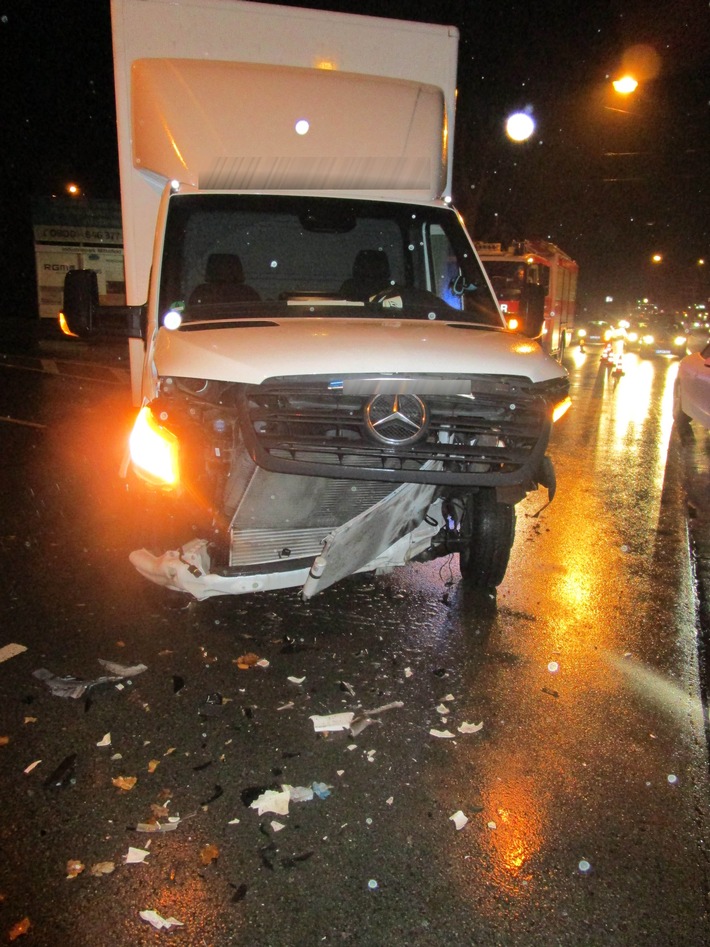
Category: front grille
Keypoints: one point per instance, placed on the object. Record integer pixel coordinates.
(495, 436)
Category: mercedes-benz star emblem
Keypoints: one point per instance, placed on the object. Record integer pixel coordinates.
(396, 420)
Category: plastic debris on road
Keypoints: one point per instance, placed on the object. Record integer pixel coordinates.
(135, 856)
(277, 801)
(11, 651)
(332, 723)
(364, 718)
(102, 868)
(17, 930)
(209, 854)
(76, 687)
(123, 670)
(158, 922)
(470, 727)
(105, 740)
(246, 661)
(459, 819)
(74, 868)
(272, 801)
(154, 827)
(125, 783)
(442, 734)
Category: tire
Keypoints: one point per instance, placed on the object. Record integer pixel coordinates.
(491, 526)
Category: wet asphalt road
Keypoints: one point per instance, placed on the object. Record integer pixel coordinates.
(584, 673)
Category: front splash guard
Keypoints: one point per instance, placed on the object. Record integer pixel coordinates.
(390, 533)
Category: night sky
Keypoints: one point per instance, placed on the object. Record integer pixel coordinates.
(610, 180)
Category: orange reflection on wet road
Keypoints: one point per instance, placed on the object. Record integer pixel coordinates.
(514, 831)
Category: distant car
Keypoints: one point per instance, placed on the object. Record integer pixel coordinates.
(633, 334)
(595, 332)
(691, 393)
(660, 337)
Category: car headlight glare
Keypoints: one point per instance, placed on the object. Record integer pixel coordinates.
(154, 450)
(647, 340)
(582, 333)
(679, 340)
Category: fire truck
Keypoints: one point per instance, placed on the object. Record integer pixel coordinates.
(536, 286)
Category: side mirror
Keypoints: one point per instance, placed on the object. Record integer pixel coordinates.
(83, 317)
(532, 310)
(81, 301)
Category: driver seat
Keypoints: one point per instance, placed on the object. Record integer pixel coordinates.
(224, 282)
(371, 274)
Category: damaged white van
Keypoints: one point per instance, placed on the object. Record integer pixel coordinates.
(327, 385)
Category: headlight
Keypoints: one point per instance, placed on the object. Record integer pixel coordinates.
(679, 340)
(154, 450)
(647, 340)
(582, 333)
(632, 336)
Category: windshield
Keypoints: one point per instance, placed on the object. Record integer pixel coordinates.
(246, 256)
(507, 277)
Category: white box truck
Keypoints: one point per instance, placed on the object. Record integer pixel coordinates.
(325, 382)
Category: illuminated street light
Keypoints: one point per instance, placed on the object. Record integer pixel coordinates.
(625, 85)
(519, 126)
(74, 190)
(657, 258)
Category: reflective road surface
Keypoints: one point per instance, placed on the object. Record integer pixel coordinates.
(585, 790)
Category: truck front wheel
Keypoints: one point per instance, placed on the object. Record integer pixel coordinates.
(490, 530)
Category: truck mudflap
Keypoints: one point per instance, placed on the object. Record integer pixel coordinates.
(390, 533)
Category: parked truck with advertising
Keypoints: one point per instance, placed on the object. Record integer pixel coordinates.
(324, 380)
(536, 286)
